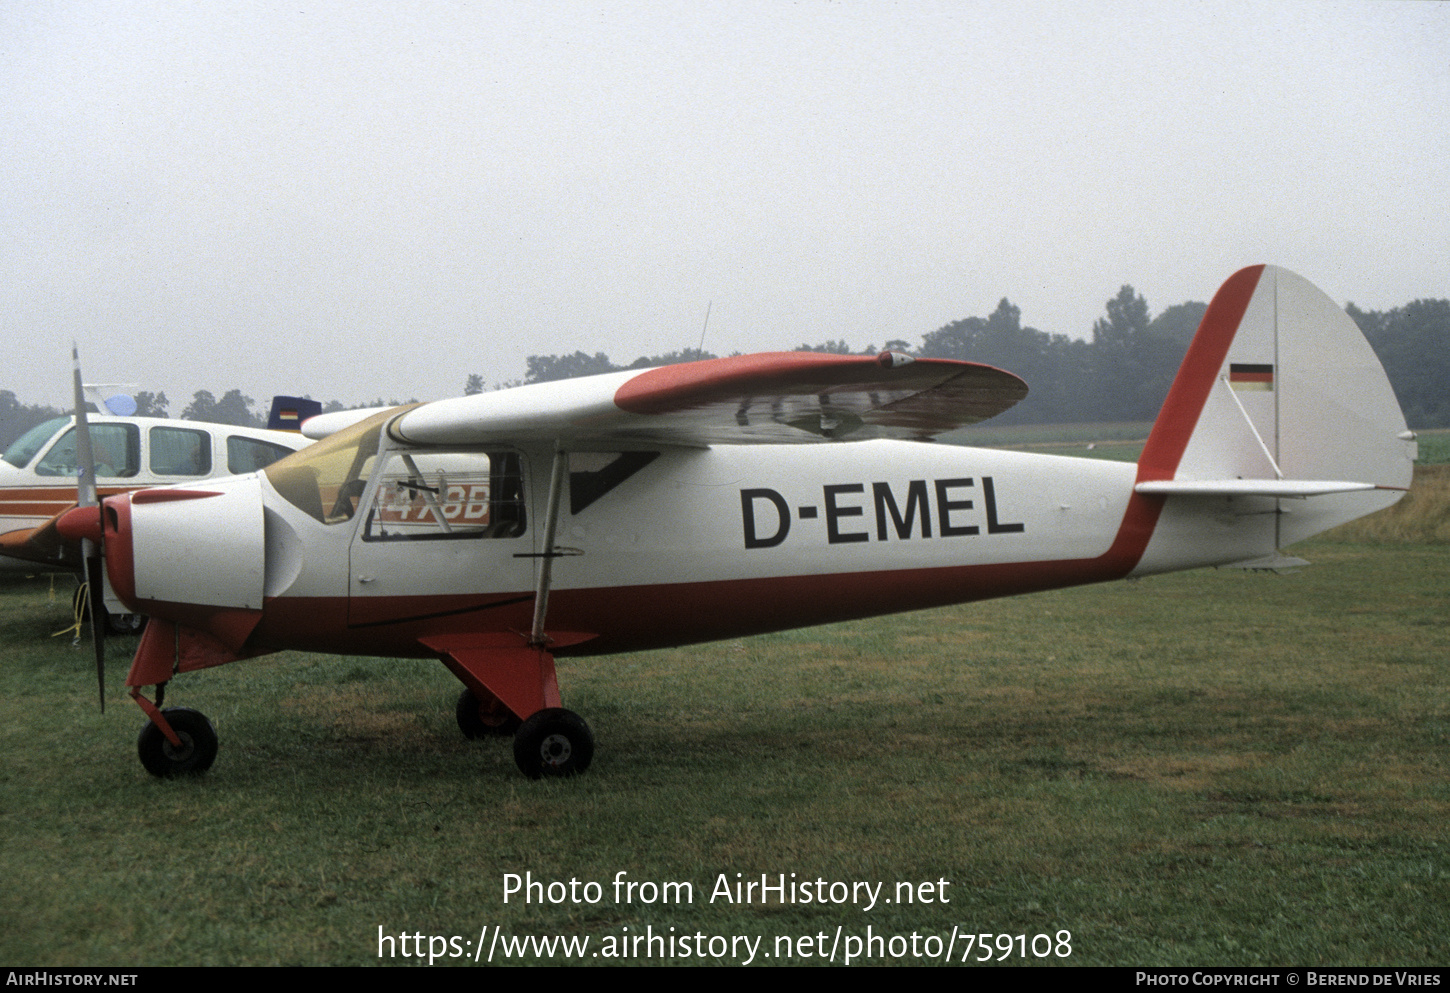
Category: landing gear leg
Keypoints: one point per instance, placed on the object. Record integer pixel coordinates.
(550, 741)
(520, 678)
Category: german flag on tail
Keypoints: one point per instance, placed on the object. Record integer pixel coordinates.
(288, 413)
(1245, 376)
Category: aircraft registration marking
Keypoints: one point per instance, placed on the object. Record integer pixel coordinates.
(459, 502)
(846, 506)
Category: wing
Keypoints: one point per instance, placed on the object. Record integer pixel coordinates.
(777, 397)
(320, 426)
(43, 545)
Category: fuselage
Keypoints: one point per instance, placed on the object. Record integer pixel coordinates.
(661, 547)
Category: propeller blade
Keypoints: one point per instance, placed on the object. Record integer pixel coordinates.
(90, 552)
(96, 596)
(85, 460)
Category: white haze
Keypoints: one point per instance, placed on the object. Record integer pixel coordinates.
(356, 200)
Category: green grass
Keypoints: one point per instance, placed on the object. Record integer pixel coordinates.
(1205, 768)
(1434, 446)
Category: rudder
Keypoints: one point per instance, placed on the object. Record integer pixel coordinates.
(1281, 396)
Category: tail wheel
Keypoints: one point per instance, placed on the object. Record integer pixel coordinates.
(196, 753)
(553, 742)
(484, 720)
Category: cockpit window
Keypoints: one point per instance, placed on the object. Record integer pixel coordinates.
(325, 480)
(23, 449)
(116, 448)
(443, 495)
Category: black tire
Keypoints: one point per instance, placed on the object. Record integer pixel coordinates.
(488, 721)
(125, 624)
(198, 744)
(554, 742)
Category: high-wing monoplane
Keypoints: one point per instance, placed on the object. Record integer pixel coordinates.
(729, 497)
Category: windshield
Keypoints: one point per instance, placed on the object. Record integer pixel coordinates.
(325, 480)
(24, 448)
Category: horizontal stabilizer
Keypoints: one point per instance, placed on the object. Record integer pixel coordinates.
(1278, 562)
(1288, 488)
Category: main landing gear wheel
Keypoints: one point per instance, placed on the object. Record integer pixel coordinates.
(554, 742)
(125, 624)
(487, 720)
(198, 744)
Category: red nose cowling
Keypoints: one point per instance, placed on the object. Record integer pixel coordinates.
(81, 523)
(108, 526)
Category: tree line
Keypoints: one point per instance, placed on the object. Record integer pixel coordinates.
(1121, 373)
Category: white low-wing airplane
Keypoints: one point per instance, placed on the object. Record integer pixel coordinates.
(38, 475)
(38, 471)
(730, 497)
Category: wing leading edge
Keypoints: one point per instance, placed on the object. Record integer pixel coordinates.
(769, 398)
(40, 544)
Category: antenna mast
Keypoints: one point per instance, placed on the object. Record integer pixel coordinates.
(708, 305)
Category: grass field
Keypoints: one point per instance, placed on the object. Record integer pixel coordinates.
(1206, 768)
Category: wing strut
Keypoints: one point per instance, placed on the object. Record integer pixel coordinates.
(493, 664)
(537, 638)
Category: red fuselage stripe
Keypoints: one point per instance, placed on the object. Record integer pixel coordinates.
(638, 617)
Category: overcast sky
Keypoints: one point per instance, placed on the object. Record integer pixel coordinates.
(356, 200)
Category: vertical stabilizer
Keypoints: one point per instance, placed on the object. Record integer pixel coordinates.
(288, 413)
(1279, 388)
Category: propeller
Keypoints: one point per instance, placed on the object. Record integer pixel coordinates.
(90, 550)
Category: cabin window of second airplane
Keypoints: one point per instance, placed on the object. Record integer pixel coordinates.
(116, 447)
(180, 452)
(433, 496)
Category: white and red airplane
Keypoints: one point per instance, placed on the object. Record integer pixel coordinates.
(729, 497)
